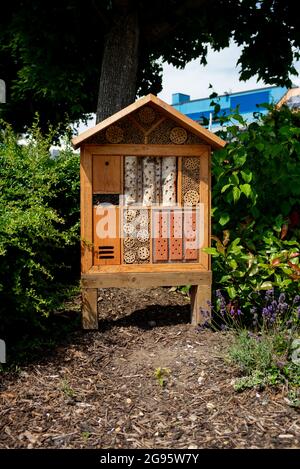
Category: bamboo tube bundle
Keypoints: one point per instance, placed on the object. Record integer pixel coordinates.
(168, 172)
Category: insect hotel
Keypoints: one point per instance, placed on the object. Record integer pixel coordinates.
(145, 204)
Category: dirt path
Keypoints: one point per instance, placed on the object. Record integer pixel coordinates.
(100, 389)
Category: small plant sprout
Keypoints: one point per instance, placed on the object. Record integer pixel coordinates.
(67, 389)
(162, 374)
(85, 436)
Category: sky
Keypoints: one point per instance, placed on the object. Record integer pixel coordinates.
(221, 72)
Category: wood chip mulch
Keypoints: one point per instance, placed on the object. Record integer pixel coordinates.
(99, 390)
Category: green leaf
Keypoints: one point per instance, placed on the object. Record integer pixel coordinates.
(246, 189)
(265, 286)
(231, 292)
(260, 146)
(224, 188)
(254, 270)
(235, 242)
(246, 175)
(236, 194)
(224, 219)
(212, 251)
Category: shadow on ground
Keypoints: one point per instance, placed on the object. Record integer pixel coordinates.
(150, 316)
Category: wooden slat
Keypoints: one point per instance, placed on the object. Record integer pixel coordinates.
(130, 149)
(148, 268)
(205, 199)
(200, 303)
(156, 124)
(158, 267)
(106, 174)
(145, 279)
(89, 308)
(161, 106)
(86, 209)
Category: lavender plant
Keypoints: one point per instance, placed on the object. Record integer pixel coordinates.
(267, 348)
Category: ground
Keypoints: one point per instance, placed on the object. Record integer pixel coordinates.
(101, 389)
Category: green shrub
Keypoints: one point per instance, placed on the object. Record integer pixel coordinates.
(39, 228)
(256, 208)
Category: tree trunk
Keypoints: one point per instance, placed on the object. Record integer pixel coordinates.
(119, 66)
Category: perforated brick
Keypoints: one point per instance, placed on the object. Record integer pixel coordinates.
(191, 250)
(160, 235)
(176, 241)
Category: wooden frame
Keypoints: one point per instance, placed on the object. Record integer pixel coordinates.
(197, 274)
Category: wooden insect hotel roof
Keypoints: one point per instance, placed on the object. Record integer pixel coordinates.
(165, 109)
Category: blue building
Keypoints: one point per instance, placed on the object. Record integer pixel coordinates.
(201, 109)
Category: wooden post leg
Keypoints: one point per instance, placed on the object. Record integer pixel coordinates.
(89, 308)
(200, 296)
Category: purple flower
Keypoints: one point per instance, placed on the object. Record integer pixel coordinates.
(283, 307)
(296, 299)
(265, 312)
(281, 298)
(219, 294)
(239, 312)
(269, 293)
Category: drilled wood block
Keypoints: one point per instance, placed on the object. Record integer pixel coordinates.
(176, 242)
(106, 174)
